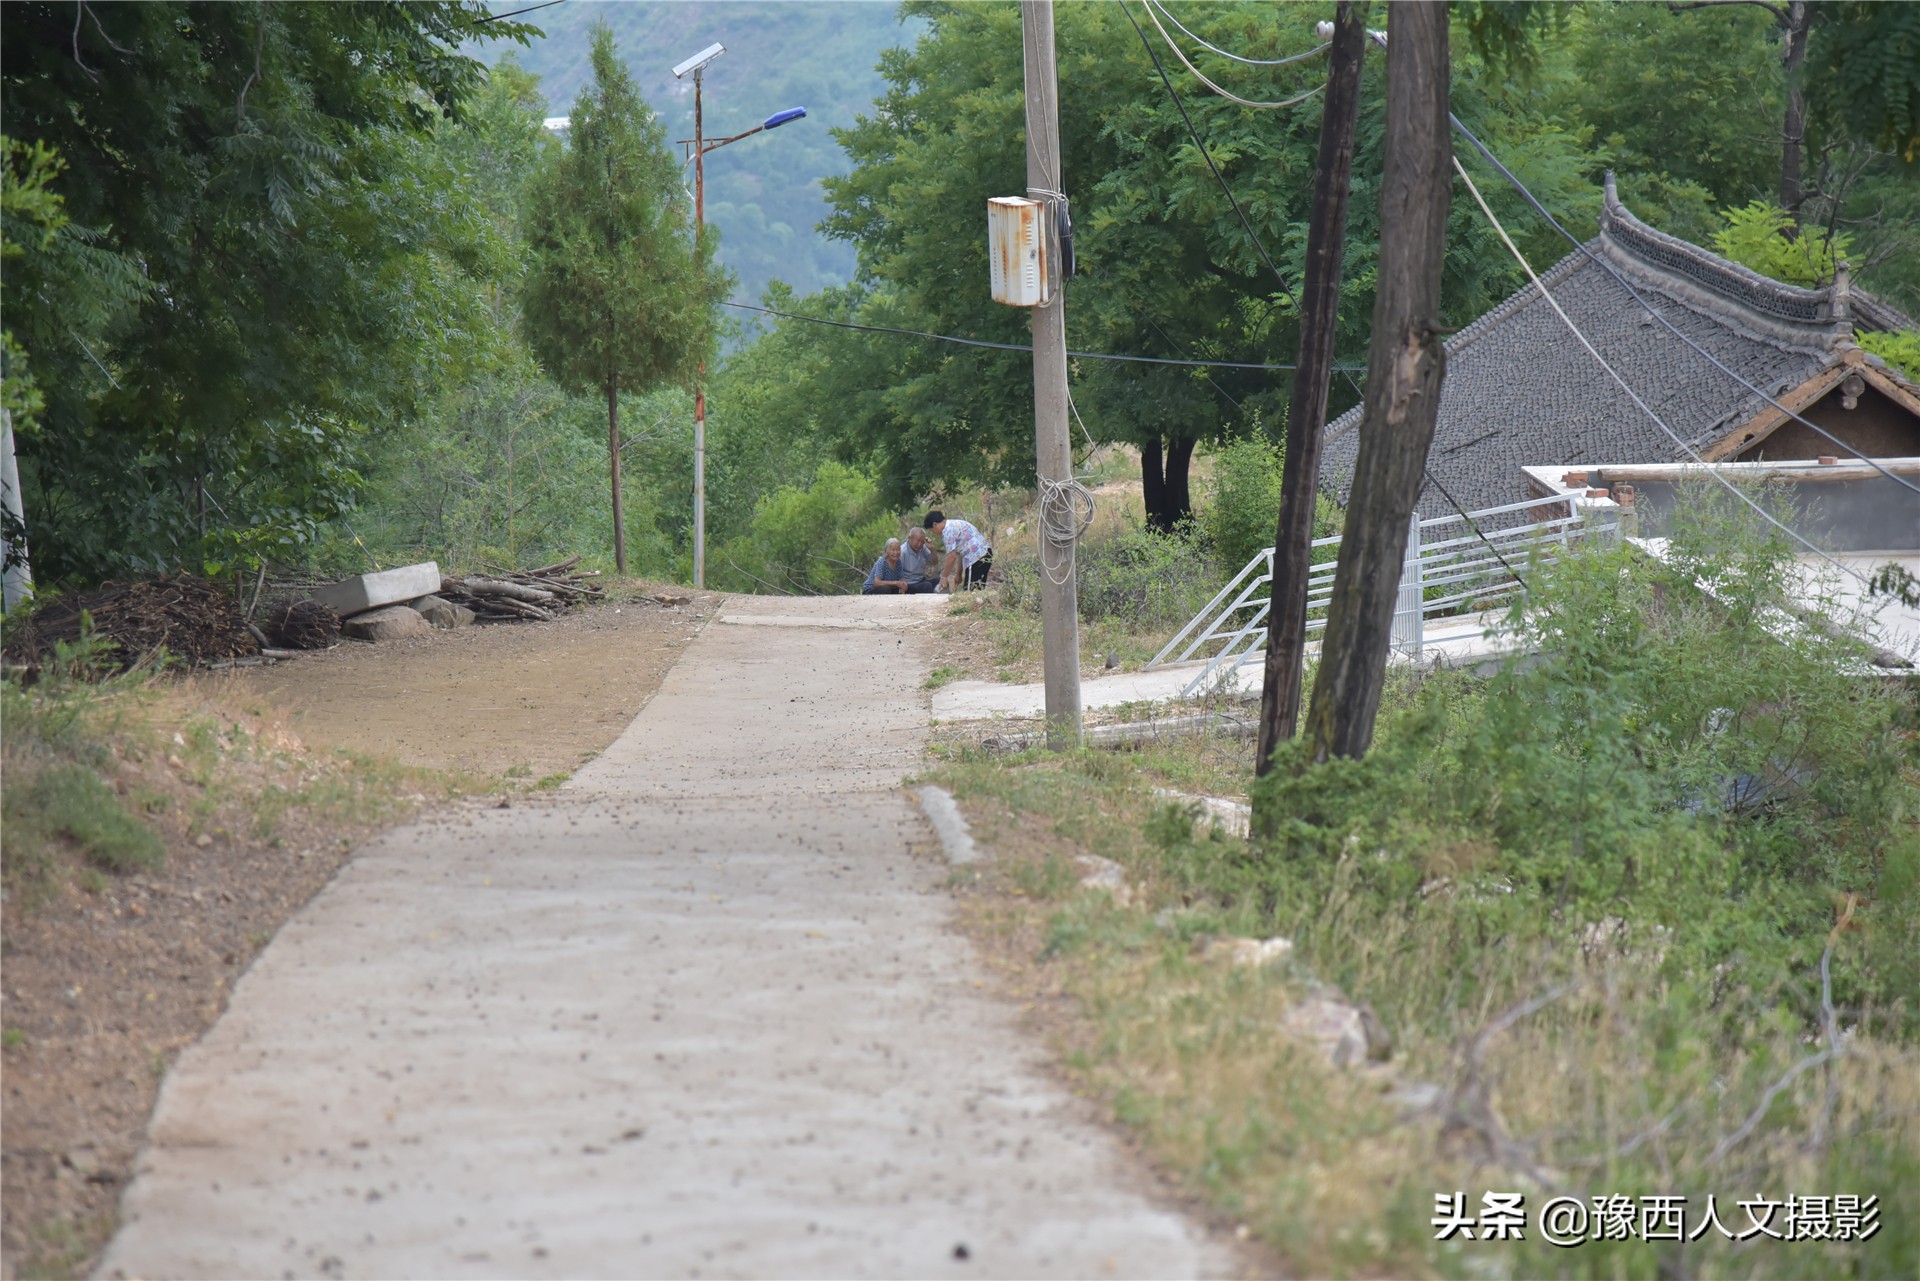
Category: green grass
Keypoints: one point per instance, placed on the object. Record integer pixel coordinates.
(1620, 982)
(944, 675)
(71, 800)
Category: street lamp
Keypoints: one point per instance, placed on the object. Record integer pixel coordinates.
(696, 67)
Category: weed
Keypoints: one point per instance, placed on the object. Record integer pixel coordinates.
(71, 800)
(518, 771)
(13, 1038)
(551, 782)
(944, 675)
(1616, 904)
(60, 1246)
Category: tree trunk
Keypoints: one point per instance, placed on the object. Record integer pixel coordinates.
(613, 468)
(1164, 487)
(1405, 364)
(1153, 484)
(1793, 133)
(1307, 412)
(1178, 496)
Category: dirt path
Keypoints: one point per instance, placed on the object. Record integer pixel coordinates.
(533, 700)
(696, 1014)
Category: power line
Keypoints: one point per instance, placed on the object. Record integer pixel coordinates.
(1624, 386)
(1011, 346)
(1208, 157)
(1250, 62)
(1635, 294)
(1198, 75)
(495, 17)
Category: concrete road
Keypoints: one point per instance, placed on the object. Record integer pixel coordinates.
(699, 1015)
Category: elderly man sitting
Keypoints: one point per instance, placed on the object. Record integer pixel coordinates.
(888, 577)
(921, 562)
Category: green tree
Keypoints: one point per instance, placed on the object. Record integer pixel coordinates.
(256, 161)
(1167, 268)
(1761, 236)
(620, 291)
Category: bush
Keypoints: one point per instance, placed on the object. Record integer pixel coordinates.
(1642, 768)
(1134, 576)
(1243, 511)
(818, 538)
(1244, 505)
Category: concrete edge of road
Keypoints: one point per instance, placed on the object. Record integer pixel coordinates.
(948, 822)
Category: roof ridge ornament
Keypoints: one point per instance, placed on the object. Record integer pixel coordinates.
(1704, 281)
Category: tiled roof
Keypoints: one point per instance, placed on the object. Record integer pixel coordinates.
(1520, 390)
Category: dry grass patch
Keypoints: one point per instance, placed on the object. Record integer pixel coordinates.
(1550, 1066)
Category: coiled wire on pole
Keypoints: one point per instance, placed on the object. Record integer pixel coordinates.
(1066, 512)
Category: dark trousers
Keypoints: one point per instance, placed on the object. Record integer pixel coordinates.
(976, 573)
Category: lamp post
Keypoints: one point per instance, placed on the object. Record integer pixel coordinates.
(696, 66)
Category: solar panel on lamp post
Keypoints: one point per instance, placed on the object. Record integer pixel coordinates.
(696, 67)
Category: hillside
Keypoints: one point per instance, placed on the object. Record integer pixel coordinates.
(763, 193)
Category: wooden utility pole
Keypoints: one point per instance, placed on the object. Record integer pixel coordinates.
(1053, 449)
(1307, 409)
(613, 473)
(1405, 363)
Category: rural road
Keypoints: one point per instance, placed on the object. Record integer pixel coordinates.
(697, 1014)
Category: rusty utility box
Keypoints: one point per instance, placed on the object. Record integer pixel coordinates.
(1017, 250)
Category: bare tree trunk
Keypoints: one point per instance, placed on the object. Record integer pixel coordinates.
(1793, 134)
(1405, 364)
(1179, 497)
(1307, 408)
(613, 467)
(1153, 484)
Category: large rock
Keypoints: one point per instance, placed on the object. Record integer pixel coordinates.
(1348, 1035)
(388, 587)
(442, 614)
(391, 623)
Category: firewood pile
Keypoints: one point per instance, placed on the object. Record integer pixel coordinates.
(510, 596)
(304, 624)
(196, 620)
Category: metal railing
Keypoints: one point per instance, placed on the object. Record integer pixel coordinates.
(1450, 570)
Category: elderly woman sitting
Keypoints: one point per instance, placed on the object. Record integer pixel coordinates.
(888, 577)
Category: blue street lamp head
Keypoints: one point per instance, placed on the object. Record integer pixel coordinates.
(779, 118)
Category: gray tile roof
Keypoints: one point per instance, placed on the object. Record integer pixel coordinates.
(1520, 390)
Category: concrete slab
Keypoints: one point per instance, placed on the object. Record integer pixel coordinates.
(984, 700)
(700, 1014)
(388, 587)
(1450, 641)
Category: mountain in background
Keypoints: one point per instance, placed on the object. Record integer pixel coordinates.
(763, 193)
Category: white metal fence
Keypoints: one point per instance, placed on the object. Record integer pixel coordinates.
(1455, 566)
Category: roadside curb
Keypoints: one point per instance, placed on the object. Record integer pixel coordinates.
(938, 805)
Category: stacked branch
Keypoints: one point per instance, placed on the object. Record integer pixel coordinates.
(511, 595)
(196, 620)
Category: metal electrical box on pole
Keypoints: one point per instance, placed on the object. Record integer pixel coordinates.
(1040, 218)
(1017, 251)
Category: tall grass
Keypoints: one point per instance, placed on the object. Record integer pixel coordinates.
(1642, 909)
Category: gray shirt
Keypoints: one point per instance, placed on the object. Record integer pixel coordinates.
(924, 563)
(885, 573)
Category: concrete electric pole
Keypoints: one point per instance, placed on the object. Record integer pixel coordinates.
(1059, 594)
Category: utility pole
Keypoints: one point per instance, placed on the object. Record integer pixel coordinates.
(700, 378)
(1307, 408)
(1406, 361)
(1053, 449)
